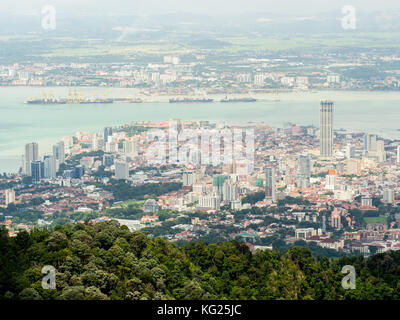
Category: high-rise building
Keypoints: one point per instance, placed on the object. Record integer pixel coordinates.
(130, 148)
(209, 202)
(304, 166)
(10, 196)
(352, 166)
(121, 170)
(107, 133)
(78, 172)
(230, 192)
(326, 129)
(189, 178)
(50, 169)
(388, 196)
(97, 143)
(37, 171)
(218, 182)
(350, 151)
(336, 219)
(31, 154)
(108, 160)
(59, 152)
(374, 149)
(369, 144)
(330, 183)
(366, 200)
(270, 191)
(398, 154)
(380, 151)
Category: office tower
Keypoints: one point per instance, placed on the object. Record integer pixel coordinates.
(398, 154)
(270, 191)
(121, 170)
(304, 166)
(59, 152)
(97, 143)
(388, 196)
(31, 154)
(10, 196)
(130, 148)
(370, 144)
(189, 178)
(330, 183)
(380, 151)
(230, 191)
(111, 147)
(107, 133)
(218, 182)
(50, 167)
(108, 160)
(326, 129)
(350, 151)
(78, 172)
(37, 171)
(365, 144)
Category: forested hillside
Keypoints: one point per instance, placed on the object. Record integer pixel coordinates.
(107, 261)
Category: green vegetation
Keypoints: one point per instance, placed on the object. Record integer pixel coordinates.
(380, 219)
(107, 261)
(123, 191)
(254, 198)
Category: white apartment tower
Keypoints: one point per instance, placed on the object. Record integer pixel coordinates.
(31, 154)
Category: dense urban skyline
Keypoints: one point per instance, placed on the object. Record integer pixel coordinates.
(215, 150)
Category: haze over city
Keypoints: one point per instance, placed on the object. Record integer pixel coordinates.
(200, 150)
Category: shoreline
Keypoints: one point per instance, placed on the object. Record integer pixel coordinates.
(355, 111)
(135, 93)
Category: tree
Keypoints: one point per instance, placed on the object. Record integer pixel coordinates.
(29, 294)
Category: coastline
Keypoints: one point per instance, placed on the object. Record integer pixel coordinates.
(355, 111)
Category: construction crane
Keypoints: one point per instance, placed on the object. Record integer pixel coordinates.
(81, 97)
(70, 96)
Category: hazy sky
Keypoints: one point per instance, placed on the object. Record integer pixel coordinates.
(145, 7)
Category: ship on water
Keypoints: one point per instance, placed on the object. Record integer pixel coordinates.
(238, 99)
(64, 101)
(40, 101)
(190, 100)
(96, 101)
(78, 98)
(128, 100)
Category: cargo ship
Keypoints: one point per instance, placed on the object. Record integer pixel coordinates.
(238, 100)
(128, 100)
(96, 101)
(189, 100)
(40, 101)
(64, 101)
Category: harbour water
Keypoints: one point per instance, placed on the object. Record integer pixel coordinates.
(372, 112)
